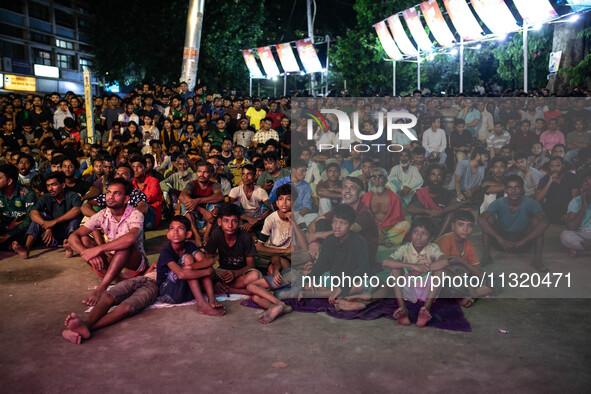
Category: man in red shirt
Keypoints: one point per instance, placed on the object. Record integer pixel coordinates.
(200, 199)
(275, 115)
(151, 188)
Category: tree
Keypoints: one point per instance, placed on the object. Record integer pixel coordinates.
(147, 44)
(574, 40)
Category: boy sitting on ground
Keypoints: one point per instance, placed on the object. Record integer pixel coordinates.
(461, 254)
(280, 279)
(183, 270)
(130, 297)
(418, 257)
(343, 254)
(236, 251)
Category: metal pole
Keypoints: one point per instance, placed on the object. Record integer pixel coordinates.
(259, 88)
(525, 58)
(394, 78)
(419, 71)
(250, 89)
(327, 50)
(285, 84)
(461, 65)
(311, 35)
(192, 42)
(88, 104)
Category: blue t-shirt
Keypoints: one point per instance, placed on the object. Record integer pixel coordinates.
(303, 188)
(512, 222)
(469, 179)
(575, 206)
(167, 254)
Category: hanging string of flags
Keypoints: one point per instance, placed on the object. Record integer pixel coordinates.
(287, 59)
(495, 14)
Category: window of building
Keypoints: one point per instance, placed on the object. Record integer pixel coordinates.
(41, 57)
(39, 11)
(12, 31)
(40, 38)
(12, 50)
(84, 48)
(65, 3)
(85, 64)
(64, 19)
(64, 44)
(82, 10)
(12, 5)
(65, 61)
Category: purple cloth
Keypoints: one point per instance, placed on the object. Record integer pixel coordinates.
(447, 313)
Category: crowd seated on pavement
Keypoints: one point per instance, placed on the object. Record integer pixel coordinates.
(249, 203)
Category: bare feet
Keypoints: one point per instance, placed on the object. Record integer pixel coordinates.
(68, 249)
(92, 299)
(274, 312)
(74, 323)
(401, 314)
(72, 336)
(349, 305)
(467, 302)
(206, 309)
(538, 265)
(215, 303)
(424, 317)
(18, 249)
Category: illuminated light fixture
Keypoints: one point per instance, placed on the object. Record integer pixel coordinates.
(501, 37)
(479, 46)
(46, 71)
(302, 73)
(537, 27)
(574, 18)
(453, 52)
(274, 78)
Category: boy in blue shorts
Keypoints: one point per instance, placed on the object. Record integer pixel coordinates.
(183, 270)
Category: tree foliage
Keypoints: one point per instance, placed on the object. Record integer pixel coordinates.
(147, 44)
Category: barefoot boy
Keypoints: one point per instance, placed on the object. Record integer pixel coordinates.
(276, 241)
(130, 297)
(418, 257)
(461, 254)
(183, 270)
(235, 249)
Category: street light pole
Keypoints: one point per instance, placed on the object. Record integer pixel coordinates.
(393, 78)
(461, 65)
(192, 42)
(525, 58)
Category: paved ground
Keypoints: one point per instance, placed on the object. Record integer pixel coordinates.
(547, 346)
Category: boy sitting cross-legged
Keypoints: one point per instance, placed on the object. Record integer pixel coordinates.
(183, 270)
(418, 257)
(236, 251)
(276, 240)
(461, 254)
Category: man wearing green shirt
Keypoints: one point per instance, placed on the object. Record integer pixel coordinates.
(16, 202)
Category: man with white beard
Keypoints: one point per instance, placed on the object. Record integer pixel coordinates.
(387, 210)
(405, 178)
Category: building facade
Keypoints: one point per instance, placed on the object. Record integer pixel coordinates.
(44, 46)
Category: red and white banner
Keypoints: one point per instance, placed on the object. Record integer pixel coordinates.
(413, 21)
(287, 58)
(268, 61)
(463, 19)
(496, 15)
(387, 41)
(535, 12)
(308, 55)
(436, 23)
(251, 63)
(400, 36)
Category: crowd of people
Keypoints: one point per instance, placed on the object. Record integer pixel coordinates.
(252, 201)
